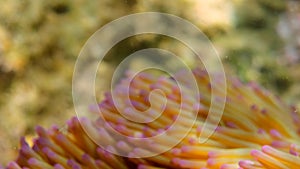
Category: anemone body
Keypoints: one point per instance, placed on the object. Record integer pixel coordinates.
(257, 130)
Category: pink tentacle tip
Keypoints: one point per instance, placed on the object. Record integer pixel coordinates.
(111, 149)
(32, 161)
(199, 129)
(185, 149)
(23, 142)
(280, 144)
(176, 151)
(293, 150)
(193, 141)
(58, 166)
(254, 107)
(73, 164)
(264, 111)
(160, 131)
(266, 148)
(121, 128)
(86, 157)
(245, 163)
(211, 162)
(225, 166)
(131, 155)
(197, 107)
(40, 130)
(121, 144)
(141, 166)
(211, 154)
(60, 137)
(175, 160)
(255, 153)
(182, 163)
(275, 133)
(12, 165)
(49, 152)
(261, 131)
(231, 124)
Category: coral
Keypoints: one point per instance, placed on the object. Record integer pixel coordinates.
(257, 130)
(253, 44)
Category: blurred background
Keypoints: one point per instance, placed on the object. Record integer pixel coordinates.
(258, 40)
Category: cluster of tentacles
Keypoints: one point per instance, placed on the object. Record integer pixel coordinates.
(257, 130)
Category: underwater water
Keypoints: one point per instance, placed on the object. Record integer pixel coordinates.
(40, 42)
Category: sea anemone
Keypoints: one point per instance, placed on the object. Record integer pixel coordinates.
(257, 130)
